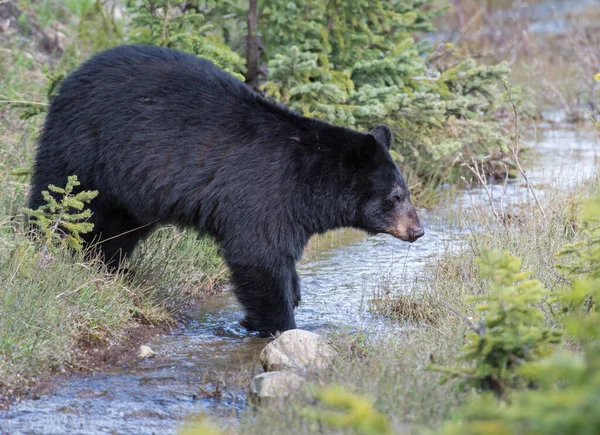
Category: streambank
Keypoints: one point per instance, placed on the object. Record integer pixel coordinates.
(206, 366)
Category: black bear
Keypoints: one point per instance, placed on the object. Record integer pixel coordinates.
(169, 138)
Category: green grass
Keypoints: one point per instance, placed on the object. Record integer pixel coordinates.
(50, 310)
(392, 370)
(47, 312)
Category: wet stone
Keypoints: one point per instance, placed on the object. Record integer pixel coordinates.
(271, 385)
(297, 350)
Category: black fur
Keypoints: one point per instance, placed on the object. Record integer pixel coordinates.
(167, 137)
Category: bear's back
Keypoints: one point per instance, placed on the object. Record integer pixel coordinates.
(120, 77)
(145, 122)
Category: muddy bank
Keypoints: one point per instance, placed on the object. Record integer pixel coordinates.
(88, 358)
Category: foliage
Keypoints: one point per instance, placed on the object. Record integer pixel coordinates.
(582, 262)
(336, 409)
(567, 397)
(201, 425)
(157, 22)
(344, 410)
(62, 222)
(356, 63)
(512, 330)
(584, 256)
(567, 394)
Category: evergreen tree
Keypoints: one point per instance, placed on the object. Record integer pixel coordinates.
(566, 397)
(62, 221)
(182, 26)
(511, 332)
(356, 63)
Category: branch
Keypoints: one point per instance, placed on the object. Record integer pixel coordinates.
(163, 36)
(29, 103)
(81, 287)
(516, 147)
(480, 176)
(504, 190)
(477, 329)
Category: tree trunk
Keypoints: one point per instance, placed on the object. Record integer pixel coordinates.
(252, 48)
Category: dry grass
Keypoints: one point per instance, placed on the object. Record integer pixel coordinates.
(553, 53)
(392, 368)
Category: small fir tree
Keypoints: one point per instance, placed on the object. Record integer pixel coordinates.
(566, 399)
(581, 263)
(62, 222)
(511, 332)
(356, 63)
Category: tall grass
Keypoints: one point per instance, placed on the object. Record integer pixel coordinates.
(432, 317)
(48, 312)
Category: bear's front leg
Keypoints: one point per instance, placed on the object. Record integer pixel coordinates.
(296, 288)
(267, 294)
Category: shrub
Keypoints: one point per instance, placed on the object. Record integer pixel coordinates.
(158, 22)
(353, 63)
(62, 222)
(567, 394)
(339, 409)
(511, 332)
(358, 64)
(567, 397)
(581, 262)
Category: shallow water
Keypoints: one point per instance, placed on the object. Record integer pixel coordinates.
(339, 274)
(547, 18)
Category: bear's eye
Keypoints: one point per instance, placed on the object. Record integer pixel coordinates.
(397, 197)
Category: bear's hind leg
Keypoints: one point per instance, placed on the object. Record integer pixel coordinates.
(115, 235)
(267, 296)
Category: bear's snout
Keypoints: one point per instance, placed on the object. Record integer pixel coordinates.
(416, 234)
(407, 234)
(407, 226)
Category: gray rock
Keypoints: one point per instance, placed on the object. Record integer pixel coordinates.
(297, 350)
(273, 385)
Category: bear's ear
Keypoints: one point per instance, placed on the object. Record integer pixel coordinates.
(384, 135)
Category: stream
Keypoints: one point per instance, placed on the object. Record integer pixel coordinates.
(338, 277)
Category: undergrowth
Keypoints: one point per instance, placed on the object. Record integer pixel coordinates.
(445, 326)
(50, 310)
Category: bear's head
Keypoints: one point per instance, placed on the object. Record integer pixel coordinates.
(385, 206)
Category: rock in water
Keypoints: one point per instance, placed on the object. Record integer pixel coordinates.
(275, 385)
(145, 352)
(297, 350)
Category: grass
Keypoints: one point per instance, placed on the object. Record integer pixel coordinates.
(49, 313)
(392, 370)
(557, 66)
(45, 313)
